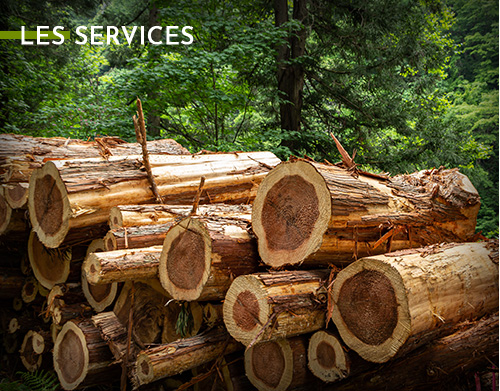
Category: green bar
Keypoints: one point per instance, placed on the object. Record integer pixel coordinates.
(48, 34)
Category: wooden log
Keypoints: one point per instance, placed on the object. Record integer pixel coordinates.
(279, 365)
(319, 214)
(136, 237)
(264, 306)
(389, 304)
(201, 256)
(29, 290)
(61, 294)
(20, 154)
(68, 196)
(50, 266)
(123, 216)
(212, 314)
(166, 360)
(436, 365)
(100, 296)
(182, 320)
(11, 283)
(16, 195)
(34, 345)
(67, 312)
(81, 357)
(327, 358)
(13, 223)
(122, 265)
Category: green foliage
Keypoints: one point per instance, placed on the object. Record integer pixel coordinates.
(32, 381)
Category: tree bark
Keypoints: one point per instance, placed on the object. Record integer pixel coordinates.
(279, 365)
(202, 255)
(321, 214)
(264, 306)
(390, 304)
(68, 196)
(176, 357)
(136, 237)
(436, 365)
(81, 357)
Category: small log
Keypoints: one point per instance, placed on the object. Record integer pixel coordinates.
(390, 304)
(50, 266)
(11, 283)
(279, 365)
(201, 257)
(34, 345)
(170, 359)
(29, 291)
(122, 265)
(16, 195)
(67, 312)
(100, 296)
(327, 358)
(123, 216)
(71, 196)
(264, 306)
(136, 237)
(436, 365)
(13, 223)
(181, 321)
(81, 357)
(61, 294)
(320, 214)
(21, 323)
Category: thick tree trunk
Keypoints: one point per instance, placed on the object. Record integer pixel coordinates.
(436, 365)
(202, 255)
(122, 265)
(176, 357)
(279, 365)
(50, 266)
(390, 304)
(98, 296)
(321, 214)
(81, 357)
(264, 306)
(68, 196)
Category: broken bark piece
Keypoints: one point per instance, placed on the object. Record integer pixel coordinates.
(201, 256)
(389, 304)
(50, 266)
(264, 306)
(71, 196)
(279, 365)
(166, 360)
(320, 214)
(81, 357)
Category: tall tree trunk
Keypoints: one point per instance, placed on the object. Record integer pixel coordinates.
(290, 73)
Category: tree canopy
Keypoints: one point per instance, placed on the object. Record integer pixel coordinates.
(408, 84)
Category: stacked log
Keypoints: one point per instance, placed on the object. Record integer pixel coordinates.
(151, 291)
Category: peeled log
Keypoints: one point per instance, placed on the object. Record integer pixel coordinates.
(436, 365)
(321, 214)
(122, 265)
(389, 304)
(202, 255)
(264, 306)
(279, 365)
(176, 357)
(50, 266)
(99, 296)
(81, 357)
(68, 196)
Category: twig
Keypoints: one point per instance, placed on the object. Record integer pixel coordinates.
(140, 133)
(197, 197)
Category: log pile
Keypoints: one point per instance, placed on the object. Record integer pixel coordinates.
(250, 274)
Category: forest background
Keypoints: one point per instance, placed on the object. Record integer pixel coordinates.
(407, 84)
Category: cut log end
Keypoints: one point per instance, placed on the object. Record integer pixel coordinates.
(49, 206)
(50, 266)
(71, 356)
(5, 214)
(185, 260)
(115, 218)
(326, 357)
(30, 357)
(144, 369)
(17, 195)
(290, 213)
(269, 365)
(246, 309)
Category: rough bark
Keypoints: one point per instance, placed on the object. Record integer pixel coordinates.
(98, 296)
(68, 196)
(435, 365)
(390, 304)
(136, 237)
(81, 357)
(320, 214)
(176, 357)
(279, 365)
(122, 265)
(202, 255)
(264, 306)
